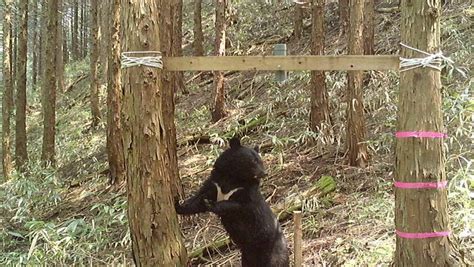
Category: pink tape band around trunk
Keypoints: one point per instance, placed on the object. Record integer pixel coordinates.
(420, 135)
(421, 185)
(421, 235)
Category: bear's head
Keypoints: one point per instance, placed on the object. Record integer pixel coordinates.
(240, 162)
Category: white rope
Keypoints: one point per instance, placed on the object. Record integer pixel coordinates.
(129, 60)
(435, 61)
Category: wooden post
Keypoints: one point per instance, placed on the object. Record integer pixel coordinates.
(298, 239)
(280, 50)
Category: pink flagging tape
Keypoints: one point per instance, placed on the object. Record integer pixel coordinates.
(420, 135)
(422, 235)
(421, 185)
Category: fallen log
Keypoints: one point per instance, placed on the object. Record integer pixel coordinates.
(75, 82)
(321, 188)
(240, 131)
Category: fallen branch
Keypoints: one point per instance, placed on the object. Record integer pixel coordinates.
(241, 131)
(321, 188)
(74, 83)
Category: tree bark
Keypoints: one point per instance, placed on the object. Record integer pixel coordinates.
(59, 50)
(94, 65)
(197, 29)
(75, 31)
(219, 110)
(369, 16)
(86, 22)
(49, 86)
(298, 21)
(355, 131)
(7, 99)
(34, 45)
(21, 153)
(115, 151)
(154, 228)
(343, 16)
(319, 96)
(170, 90)
(421, 159)
(178, 44)
(104, 40)
(65, 44)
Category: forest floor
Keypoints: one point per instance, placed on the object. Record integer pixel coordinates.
(71, 215)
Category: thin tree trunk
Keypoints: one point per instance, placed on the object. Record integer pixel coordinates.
(42, 41)
(197, 29)
(298, 21)
(49, 86)
(178, 44)
(75, 31)
(319, 96)
(7, 100)
(369, 16)
(34, 44)
(421, 159)
(154, 228)
(174, 48)
(219, 109)
(65, 45)
(59, 50)
(115, 151)
(343, 16)
(21, 154)
(84, 32)
(94, 65)
(15, 47)
(355, 130)
(104, 40)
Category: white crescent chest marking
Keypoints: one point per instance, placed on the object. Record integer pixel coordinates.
(225, 196)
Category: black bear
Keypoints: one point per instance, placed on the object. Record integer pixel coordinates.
(232, 192)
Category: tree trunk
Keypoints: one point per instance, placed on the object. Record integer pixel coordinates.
(59, 50)
(218, 109)
(65, 45)
(7, 100)
(198, 35)
(104, 40)
(421, 159)
(75, 31)
(178, 44)
(42, 41)
(94, 65)
(154, 228)
(114, 100)
(343, 16)
(369, 16)
(319, 96)
(21, 154)
(34, 45)
(14, 46)
(355, 131)
(84, 31)
(170, 89)
(49, 85)
(298, 21)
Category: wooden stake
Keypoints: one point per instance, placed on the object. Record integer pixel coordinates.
(298, 239)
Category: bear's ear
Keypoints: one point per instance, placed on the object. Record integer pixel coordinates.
(257, 149)
(234, 142)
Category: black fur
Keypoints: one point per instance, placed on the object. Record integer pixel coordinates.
(245, 215)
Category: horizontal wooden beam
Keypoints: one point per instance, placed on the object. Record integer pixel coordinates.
(272, 63)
